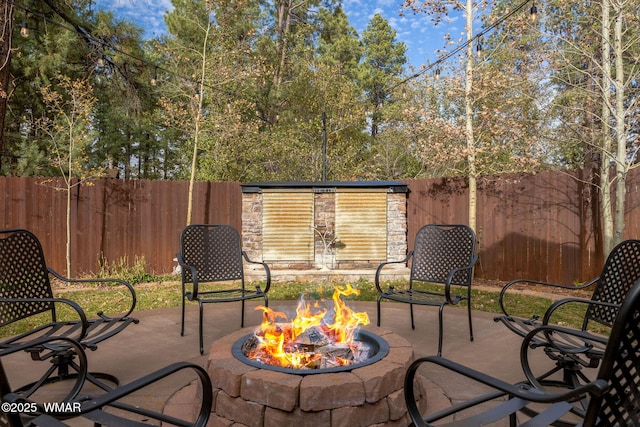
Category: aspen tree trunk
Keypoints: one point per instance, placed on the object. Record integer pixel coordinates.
(605, 149)
(6, 30)
(468, 102)
(620, 115)
(198, 119)
(6, 26)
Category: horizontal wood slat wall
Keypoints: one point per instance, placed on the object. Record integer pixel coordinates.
(361, 225)
(287, 226)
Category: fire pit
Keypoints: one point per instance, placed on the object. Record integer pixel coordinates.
(317, 340)
(376, 348)
(368, 392)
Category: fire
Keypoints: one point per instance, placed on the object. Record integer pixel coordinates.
(292, 344)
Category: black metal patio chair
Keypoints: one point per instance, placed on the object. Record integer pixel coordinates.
(443, 254)
(26, 293)
(571, 355)
(613, 396)
(213, 253)
(109, 409)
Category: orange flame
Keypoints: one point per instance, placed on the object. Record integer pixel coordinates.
(277, 341)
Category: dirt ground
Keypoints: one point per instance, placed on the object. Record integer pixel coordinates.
(554, 293)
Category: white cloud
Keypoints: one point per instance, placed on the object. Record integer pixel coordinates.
(147, 14)
(415, 30)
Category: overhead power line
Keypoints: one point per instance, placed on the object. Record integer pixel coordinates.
(462, 46)
(87, 34)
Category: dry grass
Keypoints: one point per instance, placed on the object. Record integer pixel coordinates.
(166, 291)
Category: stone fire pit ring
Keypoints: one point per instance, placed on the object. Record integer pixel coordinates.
(366, 395)
(377, 345)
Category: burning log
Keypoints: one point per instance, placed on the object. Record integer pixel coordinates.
(250, 346)
(336, 355)
(313, 337)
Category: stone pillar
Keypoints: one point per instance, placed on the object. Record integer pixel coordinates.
(324, 223)
(396, 228)
(252, 225)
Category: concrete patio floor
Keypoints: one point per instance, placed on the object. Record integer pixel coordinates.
(156, 342)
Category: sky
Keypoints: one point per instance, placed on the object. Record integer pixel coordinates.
(418, 33)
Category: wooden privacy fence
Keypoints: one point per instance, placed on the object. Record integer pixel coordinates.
(112, 218)
(540, 226)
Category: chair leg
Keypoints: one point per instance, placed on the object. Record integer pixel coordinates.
(470, 324)
(182, 327)
(200, 327)
(413, 324)
(440, 310)
(60, 369)
(242, 315)
(378, 305)
(513, 420)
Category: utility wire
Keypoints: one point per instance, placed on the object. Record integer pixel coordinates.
(463, 45)
(87, 34)
(91, 39)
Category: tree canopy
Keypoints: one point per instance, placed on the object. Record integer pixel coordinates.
(252, 90)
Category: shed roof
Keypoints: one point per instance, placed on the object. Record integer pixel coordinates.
(256, 187)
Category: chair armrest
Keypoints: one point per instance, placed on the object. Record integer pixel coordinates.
(266, 270)
(111, 398)
(382, 265)
(81, 315)
(507, 287)
(132, 292)
(451, 275)
(501, 388)
(194, 275)
(543, 336)
(553, 307)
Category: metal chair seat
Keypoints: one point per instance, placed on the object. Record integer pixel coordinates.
(97, 331)
(225, 295)
(416, 296)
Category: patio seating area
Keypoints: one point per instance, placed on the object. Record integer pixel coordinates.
(156, 342)
(360, 394)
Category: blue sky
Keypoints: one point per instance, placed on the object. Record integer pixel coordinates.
(415, 30)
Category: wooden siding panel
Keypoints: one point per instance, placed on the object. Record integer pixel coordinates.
(287, 221)
(361, 226)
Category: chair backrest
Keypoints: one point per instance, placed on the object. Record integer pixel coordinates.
(440, 248)
(23, 274)
(620, 404)
(620, 272)
(215, 250)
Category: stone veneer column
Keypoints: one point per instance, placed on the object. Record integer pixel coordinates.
(396, 228)
(324, 212)
(252, 225)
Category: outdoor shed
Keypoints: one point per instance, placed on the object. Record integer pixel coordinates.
(324, 225)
